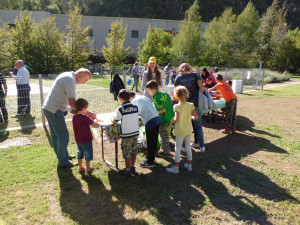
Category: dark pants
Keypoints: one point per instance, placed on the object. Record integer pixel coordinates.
(135, 84)
(23, 99)
(152, 137)
(3, 110)
(230, 116)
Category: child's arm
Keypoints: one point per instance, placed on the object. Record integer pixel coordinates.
(94, 124)
(176, 118)
(162, 111)
(195, 115)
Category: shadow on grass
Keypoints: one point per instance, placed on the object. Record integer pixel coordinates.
(94, 206)
(27, 124)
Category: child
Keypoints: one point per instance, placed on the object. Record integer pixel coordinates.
(209, 83)
(231, 104)
(129, 116)
(135, 75)
(152, 122)
(163, 105)
(183, 128)
(173, 76)
(83, 135)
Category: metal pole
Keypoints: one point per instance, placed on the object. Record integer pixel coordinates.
(263, 79)
(101, 69)
(42, 98)
(116, 154)
(259, 71)
(124, 78)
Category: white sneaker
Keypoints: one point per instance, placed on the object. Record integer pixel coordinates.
(173, 169)
(202, 149)
(188, 167)
(195, 145)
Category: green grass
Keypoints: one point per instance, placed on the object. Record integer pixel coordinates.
(224, 188)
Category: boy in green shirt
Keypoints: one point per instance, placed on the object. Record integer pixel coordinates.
(163, 105)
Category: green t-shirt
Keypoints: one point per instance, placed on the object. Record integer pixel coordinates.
(184, 126)
(163, 101)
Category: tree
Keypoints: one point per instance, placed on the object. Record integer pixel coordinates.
(47, 51)
(246, 28)
(22, 36)
(115, 52)
(294, 39)
(4, 47)
(157, 43)
(220, 40)
(187, 43)
(77, 45)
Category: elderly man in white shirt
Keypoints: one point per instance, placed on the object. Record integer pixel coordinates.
(23, 88)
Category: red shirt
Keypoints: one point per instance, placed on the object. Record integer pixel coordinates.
(226, 91)
(81, 127)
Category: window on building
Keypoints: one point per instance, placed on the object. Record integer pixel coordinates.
(91, 32)
(134, 34)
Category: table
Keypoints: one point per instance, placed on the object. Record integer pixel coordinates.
(107, 131)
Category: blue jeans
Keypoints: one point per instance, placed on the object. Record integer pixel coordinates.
(167, 80)
(59, 135)
(136, 79)
(197, 126)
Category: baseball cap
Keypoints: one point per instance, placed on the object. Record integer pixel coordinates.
(152, 60)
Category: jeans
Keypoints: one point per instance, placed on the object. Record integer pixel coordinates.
(85, 150)
(136, 79)
(152, 136)
(197, 126)
(59, 135)
(167, 80)
(23, 98)
(3, 110)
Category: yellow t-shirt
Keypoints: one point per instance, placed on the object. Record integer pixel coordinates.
(184, 126)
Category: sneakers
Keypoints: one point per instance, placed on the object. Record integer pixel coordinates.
(146, 165)
(224, 131)
(81, 170)
(173, 169)
(202, 149)
(125, 173)
(89, 170)
(195, 145)
(188, 167)
(132, 170)
(72, 157)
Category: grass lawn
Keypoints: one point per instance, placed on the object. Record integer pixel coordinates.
(251, 177)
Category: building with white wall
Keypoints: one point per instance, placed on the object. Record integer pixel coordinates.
(100, 25)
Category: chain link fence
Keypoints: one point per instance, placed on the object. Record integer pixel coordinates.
(96, 92)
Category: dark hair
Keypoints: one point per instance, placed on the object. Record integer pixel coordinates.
(206, 75)
(123, 94)
(219, 77)
(157, 73)
(131, 94)
(216, 69)
(169, 64)
(81, 104)
(209, 78)
(229, 82)
(152, 84)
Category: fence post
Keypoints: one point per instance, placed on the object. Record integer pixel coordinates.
(101, 70)
(225, 74)
(263, 79)
(124, 78)
(243, 81)
(259, 71)
(42, 98)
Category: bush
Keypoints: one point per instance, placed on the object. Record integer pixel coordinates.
(276, 77)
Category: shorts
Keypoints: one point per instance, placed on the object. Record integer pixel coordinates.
(129, 147)
(86, 150)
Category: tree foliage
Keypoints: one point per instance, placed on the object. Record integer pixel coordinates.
(157, 43)
(115, 52)
(5, 54)
(187, 43)
(78, 45)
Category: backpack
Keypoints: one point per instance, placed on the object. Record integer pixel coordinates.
(116, 85)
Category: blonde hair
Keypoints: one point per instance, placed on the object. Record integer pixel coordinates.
(181, 93)
(84, 71)
(185, 68)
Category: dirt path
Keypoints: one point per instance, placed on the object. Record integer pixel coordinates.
(274, 85)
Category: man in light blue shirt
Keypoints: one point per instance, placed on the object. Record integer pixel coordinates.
(23, 88)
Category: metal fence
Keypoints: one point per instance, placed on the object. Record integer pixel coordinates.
(96, 92)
